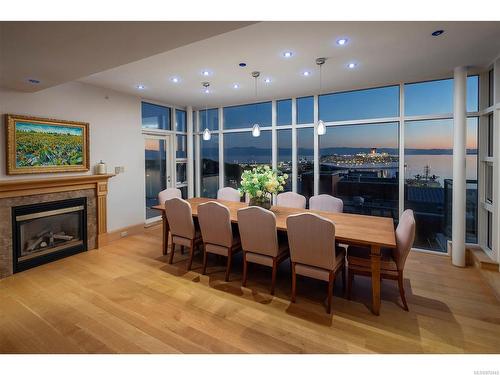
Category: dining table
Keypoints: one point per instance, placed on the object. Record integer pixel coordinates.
(369, 232)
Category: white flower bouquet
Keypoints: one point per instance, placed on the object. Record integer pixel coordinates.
(260, 183)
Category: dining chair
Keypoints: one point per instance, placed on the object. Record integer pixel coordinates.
(184, 232)
(229, 194)
(217, 233)
(392, 261)
(313, 251)
(259, 240)
(325, 202)
(290, 199)
(168, 193)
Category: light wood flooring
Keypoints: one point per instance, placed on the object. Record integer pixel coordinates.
(125, 298)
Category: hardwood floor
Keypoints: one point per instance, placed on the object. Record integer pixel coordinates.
(125, 298)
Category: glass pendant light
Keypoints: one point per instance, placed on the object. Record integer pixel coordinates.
(206, 133)
(256, 126)
(320, 125)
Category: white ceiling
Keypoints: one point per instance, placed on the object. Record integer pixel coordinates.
(386, 52)
(58, 52)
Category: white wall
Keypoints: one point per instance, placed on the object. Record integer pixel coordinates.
(115, 137)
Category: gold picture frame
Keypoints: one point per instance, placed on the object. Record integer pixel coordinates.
(43, 145)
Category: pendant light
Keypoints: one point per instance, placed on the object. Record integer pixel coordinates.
(256, 126)
(320, 126)
(206, 133)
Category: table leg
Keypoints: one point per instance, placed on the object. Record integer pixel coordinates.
(375, 260)
(165, 233)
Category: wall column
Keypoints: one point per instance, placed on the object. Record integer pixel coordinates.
(459, 158)
(190, 151)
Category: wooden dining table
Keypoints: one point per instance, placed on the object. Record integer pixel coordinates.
(370, 232)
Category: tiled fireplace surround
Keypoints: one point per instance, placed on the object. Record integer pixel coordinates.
(23, 192)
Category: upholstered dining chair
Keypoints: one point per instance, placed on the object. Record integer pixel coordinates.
(184, 233)
(290, 199)
(392, 261)
(313, 251)
(229, 194)
(325, 202)
(259, 240)
(168, 193)
(217, 233)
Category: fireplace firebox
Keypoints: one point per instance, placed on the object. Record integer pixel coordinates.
(48, 231)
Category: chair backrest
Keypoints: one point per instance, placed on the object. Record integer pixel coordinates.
(290, 199)
(215, 224)
(405, 235)
(167, 194)
(325, 202)
(229, 194)
(180, 218)
(312, 240)
(258, 233)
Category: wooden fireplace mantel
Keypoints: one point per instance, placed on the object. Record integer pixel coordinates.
(18, 188)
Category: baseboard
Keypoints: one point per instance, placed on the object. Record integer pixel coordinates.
(106, 238)
(477, 258)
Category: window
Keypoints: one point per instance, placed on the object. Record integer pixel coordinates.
(155, 155)
(360, 164)
(244, 116)
(155, 116)
(180, 120)
(305, 110)
(436, 97)
(284, 112)
(489, 183)
(429, 183)
(181, 151)
(305, 162)
(181, 173)
(489, 240)
(209, 168)
(361, 104)
(285, 155)
(490, 135)
(491, 84)
(242, 151)
(209, 119)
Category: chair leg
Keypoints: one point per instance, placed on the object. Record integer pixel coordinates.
(171, 258)
(204, 262)
(350, 279)
(245, 270)
(273, 280)
(191, 255)
(228, 267)
(402, 290)
(294, 283)
(331, 282)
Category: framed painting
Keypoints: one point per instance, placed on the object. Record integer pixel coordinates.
(39, 145)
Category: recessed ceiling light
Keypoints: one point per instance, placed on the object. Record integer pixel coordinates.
(437, 33)
(175, 79)
(342, 41)
(33, 81)
(205, 73)
(140, 87)
(236, 86)
(306, 73)
(242, 64)
(288, 54)
(351, 65)
(267, 80)
(206, 91)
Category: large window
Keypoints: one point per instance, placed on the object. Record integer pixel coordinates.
(359, 105)
(242, 151)
(429, 180)
(305, 110)
(155, 156)
(305, 162)
(209, 167)
(245, 116)
(180, 120)
(360, 164)
(155, 116)
(284, 112)
(285, 155)
(209, 119)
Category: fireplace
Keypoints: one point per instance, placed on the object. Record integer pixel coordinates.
(48, 231)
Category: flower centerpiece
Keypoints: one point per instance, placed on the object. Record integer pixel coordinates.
(260, 183)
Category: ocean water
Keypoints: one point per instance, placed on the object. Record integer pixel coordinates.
(440, 165)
